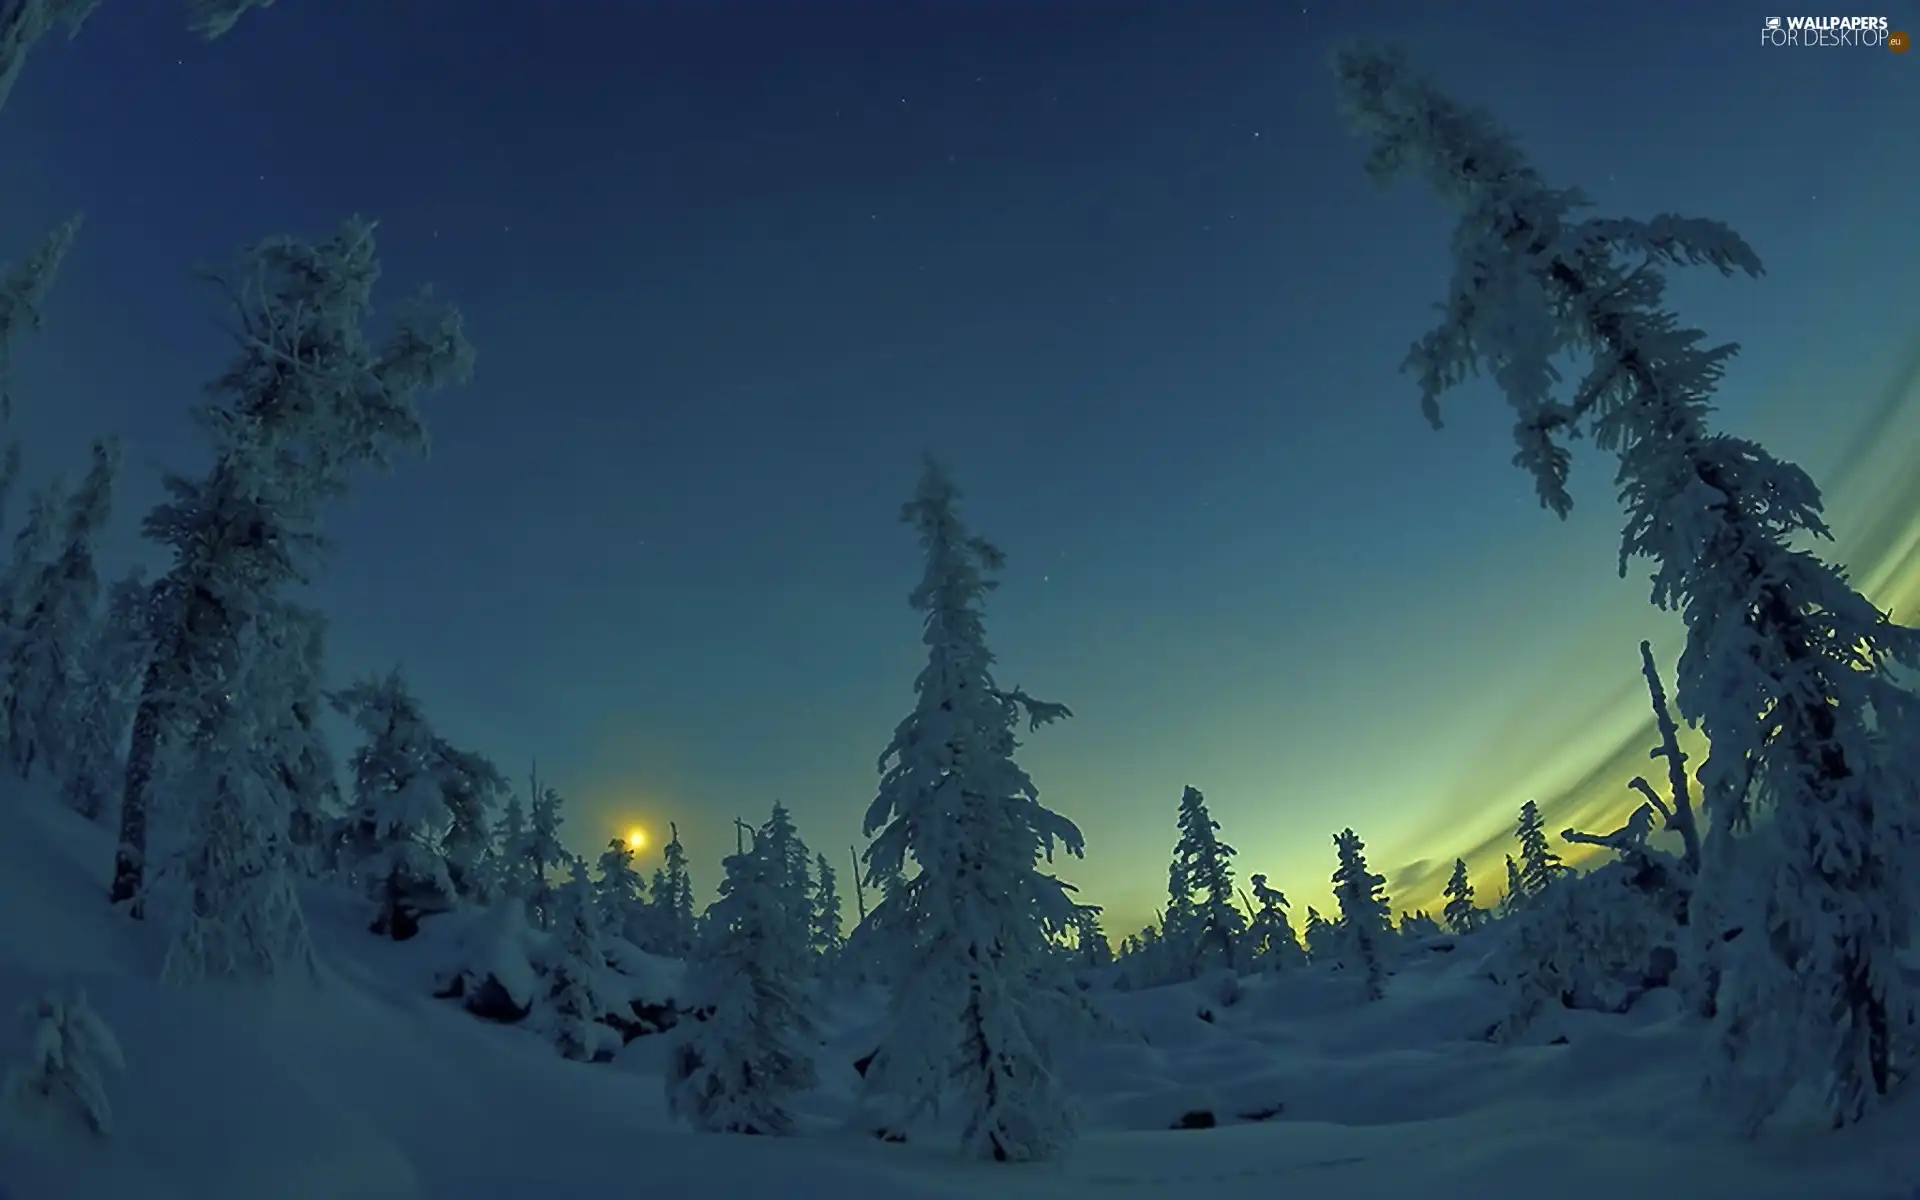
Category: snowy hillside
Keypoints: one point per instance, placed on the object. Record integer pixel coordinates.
(372, 1089)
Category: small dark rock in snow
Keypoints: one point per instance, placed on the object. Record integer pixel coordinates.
(861, 1064)
(1205, 1014)
(646, 1019)
(490, 1002)
(1263, 1114)
(655, 1018)
(1662, 962)
(1199, 1118)
(487, 1000)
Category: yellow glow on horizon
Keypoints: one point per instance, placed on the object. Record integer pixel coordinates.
(636, 838)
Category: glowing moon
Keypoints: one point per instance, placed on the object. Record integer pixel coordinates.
(636, 838)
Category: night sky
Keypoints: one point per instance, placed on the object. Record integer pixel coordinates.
(732, 267)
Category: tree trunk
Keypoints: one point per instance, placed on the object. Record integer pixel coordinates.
(130, 856)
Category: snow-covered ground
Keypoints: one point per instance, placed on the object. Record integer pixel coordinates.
(373, 1090)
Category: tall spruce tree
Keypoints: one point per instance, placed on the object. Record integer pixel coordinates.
(1461, 915)
(617, 893)
(1270, 933)
(670, 919)
(1206, 867)
(826, 923)
(1366, 921)
(968, 943)
(1539, 865)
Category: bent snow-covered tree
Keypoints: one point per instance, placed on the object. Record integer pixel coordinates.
(966, 939)
(1786, 667)
(306, 400)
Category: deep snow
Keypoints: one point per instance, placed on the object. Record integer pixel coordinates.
(371, 1089)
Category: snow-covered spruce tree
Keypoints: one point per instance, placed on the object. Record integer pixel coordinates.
(791, 859)
(470, 783)
(542, 851)
(224, 878)
(974, 1002)
(741, 1069)
(1179, 925)
(70, 1054)
(1515, 897)
(617, 898)
(1270, 934)
(1091, 948)
(1462, 916)
(101, 702)
(1418, 924)
(1540, 867)
(825, 926)
(27, 559)
(305, 401)
(670, 901)
(1206, 866)
(1786, 665)
(1366, 921)
(510, 833)
(1140, 959)
(400, 809)
(290, 650)
(1320, 937)
(52, 619)
(578, 963)
(1589, 943)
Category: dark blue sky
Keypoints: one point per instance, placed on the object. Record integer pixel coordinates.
(731, 267)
